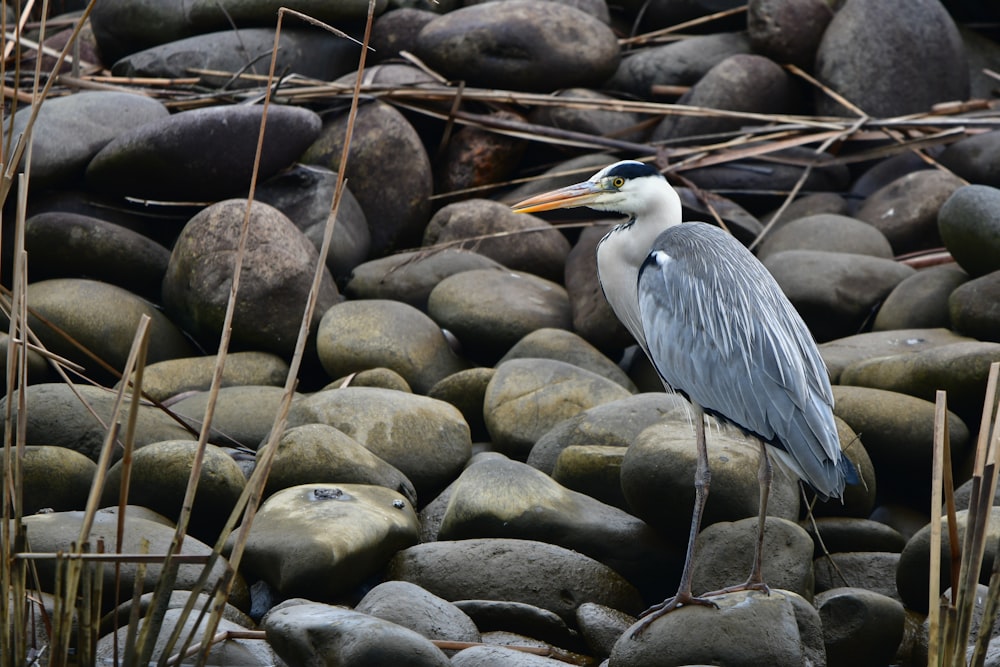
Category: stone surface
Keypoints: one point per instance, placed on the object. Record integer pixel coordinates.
(921, 301)
(826, 231)
(969, 228)
(423, 612)
(843, 352)
(974, 159)
(242, 416)
(563, 345)
(171, 377)
(787, 31)
(53, 478)
(973, 307)
(860, 627)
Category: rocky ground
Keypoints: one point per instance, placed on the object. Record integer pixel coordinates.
(476, 453)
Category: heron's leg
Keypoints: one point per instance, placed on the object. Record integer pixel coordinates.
(702, 481)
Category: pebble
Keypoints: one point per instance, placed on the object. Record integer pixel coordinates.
(466, 390)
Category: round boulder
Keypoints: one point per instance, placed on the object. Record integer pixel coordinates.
(970, 228)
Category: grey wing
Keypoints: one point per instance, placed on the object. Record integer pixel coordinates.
(719, 329)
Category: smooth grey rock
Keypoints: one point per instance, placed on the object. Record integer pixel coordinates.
(859, 499)
(397, 30)
(388, 170)
(126, 26)
(346, 531)
(921, 301)
(816, 203)
(527, 397)
(787, 31)
(489, 310)
(411, 276)
(519, 242)
(601, 627)
(359, 335)
(860, 627)
(748, 628)
(242, 415)
(504, 616)
(520, 45)
(974, 309)
(594, 121)
(842, 534)
(69, 131)
(891, 64)
(383, 378)
(974, 159)
(52, 478)
(427, 440)
(201, 154)
(423, 612)
(594, 470)
(826, 231)
(220, 13)
(172, 377)
(872, 570)
(278, 272)
(970, 230)
(906, 210)
(500, 656)
(843, 352)
(544, 575)
(834, 292)
(317, 453)
(319, 635)
(466, 391)
(563, 345)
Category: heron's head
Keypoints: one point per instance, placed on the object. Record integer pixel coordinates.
(628, 187)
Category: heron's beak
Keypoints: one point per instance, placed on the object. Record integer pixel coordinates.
(571, 196)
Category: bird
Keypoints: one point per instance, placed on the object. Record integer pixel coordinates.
(719, 330)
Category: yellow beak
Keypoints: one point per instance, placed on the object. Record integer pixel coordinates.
(571, 196)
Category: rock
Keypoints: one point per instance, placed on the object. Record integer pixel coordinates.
(314, 54)
(816, 203)
(593, 318)
(495, 497)
(520, 242)
(466, 390)
(321, 454)
(748, 628)
(67, 245)
(388, 170)
(103, 319)
(527, 397)
(742, 82)
(278, 272)
(906, 210)
(859, 499)
(202, 154)
(307, 633)
(526, 46)
(412, 607)
(411, 276)
(243, 416)
(37, 365)
(57, 416)
(594, 470)
(981, 595)
(57, 531)
(489, 310)
(500, 656)
(175, 600)
(881, 174)
(920, 301)
(359, 335)
(493, 616)
(724, 555)
(906, 520)
(69, 131)
(476, 157)
(427, 440)
(659, 469)
(172, 377)
(679, 63)
(593, 121)
(860, 627)
(834, 292)
(969, 230)
(616, 424)
(160, 474)
(397, 30)
(563, 345)
(974, 309)
(829, 232)
(872, 570)
(842, 534)
(122, 27)
(890, 64)
(54, 479)
(540, 574)
(383, 378)
(219, 13)
(972, 158)
(601, 627)
(787, 31)
(843, 352)
(347, 531)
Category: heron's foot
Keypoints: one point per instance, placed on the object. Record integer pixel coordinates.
(748, 585)
(667, 606)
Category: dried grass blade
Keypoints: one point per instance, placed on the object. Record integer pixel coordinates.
(935, 603)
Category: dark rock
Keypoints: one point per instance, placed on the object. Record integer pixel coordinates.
(217, 14)
(841, 353)
(476, 157)
(974, 307)
(828, 232)
(563, 345)
(412, 607)
(860, 627)
(872, 570)
(242, 416)
(787, 31)
(466, 390)
(970, 230)
(841, 534)
(974, 159)
(169, 378)
(397, 30)
(610, 122)
(921, 301)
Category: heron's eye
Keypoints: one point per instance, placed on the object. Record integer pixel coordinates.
(618, 182)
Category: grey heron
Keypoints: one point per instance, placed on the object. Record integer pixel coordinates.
(717, 328)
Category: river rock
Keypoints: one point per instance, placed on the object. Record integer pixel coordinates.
(906, 210)
(519, 242)
(359, 335)
(53, 478)
(496, 617)
(594, 470)
(969, 229)
(563, 345)
(835, 292)
(476, 157)
(601, 627)
(202, 154)
(411, 276)
(974, 308)
(816, 203)
(171, 377)
(67, 245)
(279, 265)
(216, 14)
(347, 532)
(397, 30)
(860, 627)
(520, 45)
(593, 318)
(545, 575)
(527, 397)
(890, 64)
(317, 453)
(307, 633)
(609, 122)
(972, 159)
(921, 301)
(501, 656)
(388, 170)
(828, 232)
(423, 612)
(787, 31)
(242, 416)
(122, 27)
(466, 390)
(427, 440)
(748, 628)
(489, 310)
(103, 318)
(843, 352)
(871, 570)
(840, 534)
(69, 131)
